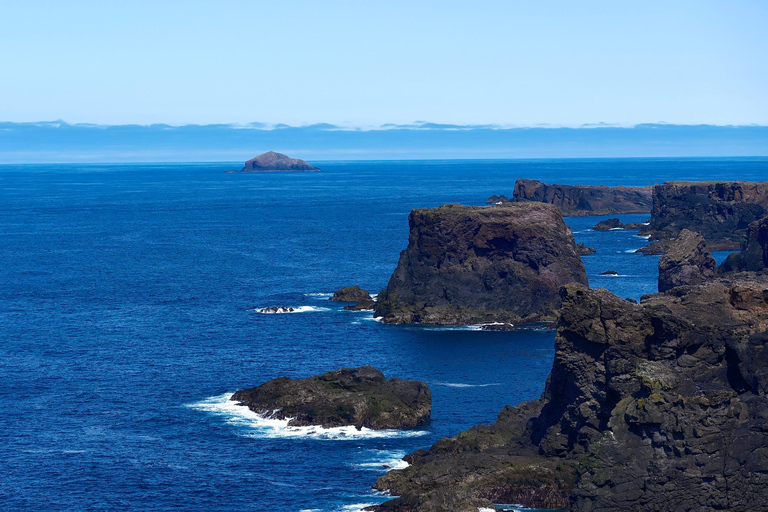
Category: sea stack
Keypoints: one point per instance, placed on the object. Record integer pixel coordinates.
(480, 264)
(359, 397)
(276, 162)
(686, 262)
(720, 211)
(584, 200)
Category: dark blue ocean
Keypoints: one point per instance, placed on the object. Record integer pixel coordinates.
(127, 314)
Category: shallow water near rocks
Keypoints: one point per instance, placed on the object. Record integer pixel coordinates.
(128, 313)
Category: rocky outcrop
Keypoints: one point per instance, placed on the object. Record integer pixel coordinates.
(361, 397)
(351, 294)
(754, 252)
(657, 406)
(482, 264)
(610, 224)
(720, 211)
(583, 250)
(583, 200)
(686, 262)
(271, 162)
(494, 199)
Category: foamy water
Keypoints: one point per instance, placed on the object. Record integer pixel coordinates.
(299, 309)
(464, 385)
(251, 424)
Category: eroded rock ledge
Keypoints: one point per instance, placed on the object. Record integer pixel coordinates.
(654, 406)
(361, 397)
(480, 264)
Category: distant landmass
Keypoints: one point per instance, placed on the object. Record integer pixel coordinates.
(276, 162)
(58, 141)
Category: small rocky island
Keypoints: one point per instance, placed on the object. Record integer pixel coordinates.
(360, 397)
(482, 264)
(582, 200)
(276, 162)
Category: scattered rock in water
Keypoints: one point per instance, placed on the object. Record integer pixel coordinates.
(351, 294)
(361, 397)
(494, 199)
(498, 327)
(468, 265)
(583, 250)
(275, 310)
(276, 162)
(584, 200)
(365, 305)
(611, 224)
(609, 273)
(686, 262)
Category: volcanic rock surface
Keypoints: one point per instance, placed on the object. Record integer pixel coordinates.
(610, 224)
(657, 406)
(686, 262)
(361, 397)
(351, 294)
(583, 200)
(754, 252)
(482, 264)
(271, 161)
(720, 211)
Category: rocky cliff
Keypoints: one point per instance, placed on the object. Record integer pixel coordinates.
(686, 262)
(583, 200)
(477, 264)
(271, 161)
(720, 211)
(361, 397)
(654, 406)
(754, 251)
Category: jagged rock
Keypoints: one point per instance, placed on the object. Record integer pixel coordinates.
(361, 397)
(609, 273)
(275, 310)
(271, 161)
(686, 262)
(364, 305)
(583, 200)
(494, 199)
(482, 264)
(583, 250)
(720, 211)
(352, 294)
(654, 406)
(609, 224)
(754, 252)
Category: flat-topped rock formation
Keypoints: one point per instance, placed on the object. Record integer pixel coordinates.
(361, 397)
(661, 406)
(611, 224)
(583, 200)
(686, 262)
(482, 264)
(276, 162)
(720, 211)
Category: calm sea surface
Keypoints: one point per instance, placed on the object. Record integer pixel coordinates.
(127, 297)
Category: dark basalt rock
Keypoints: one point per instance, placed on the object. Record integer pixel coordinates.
(362, 397)
(583, 250)
(352, 294)
(686, 262)
(754, 252)
(271, 161)
(498, 327)
(609, 224)
(276, 309)
(494, 199)
(482, 264)
(720, 211)
(657, 406)
(609, 273)
(364, 305)
(583, 200)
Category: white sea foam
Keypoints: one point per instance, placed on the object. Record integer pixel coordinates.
(321, 295)
(356, 507)
(629, 251)
(646, 237)
(281, 310)
(615, 229)
(385, 459)
(463, 385)
(260, 426)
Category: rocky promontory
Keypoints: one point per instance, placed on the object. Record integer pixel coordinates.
(661, 406)
(720, 211)
(276, 162)
(361, 397)
(686, 262)
(754, 252)
(583, 200)
(481, 264)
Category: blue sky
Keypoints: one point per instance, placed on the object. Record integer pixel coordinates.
(362, 63)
